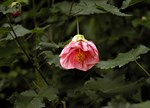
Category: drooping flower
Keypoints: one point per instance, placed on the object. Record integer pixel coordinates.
(79, 54)
(16, 6)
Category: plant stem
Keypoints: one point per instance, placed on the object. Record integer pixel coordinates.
(34, 10)
(26, 54)
(64, 104)
(71, 7)
(142, 68)
(53, 2)
(77, 25)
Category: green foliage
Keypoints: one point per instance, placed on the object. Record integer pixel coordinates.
(142, 105)
(118, 102)
(30, 99)
(124, 58)
(30, 71)
(51, 58)
(112, 9)
(127, 3)
(143, 21)
(5, 10)
(86, 7)
(19, 30)
(109, 87)
(8, 58)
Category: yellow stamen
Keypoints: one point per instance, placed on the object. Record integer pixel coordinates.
(80, 56)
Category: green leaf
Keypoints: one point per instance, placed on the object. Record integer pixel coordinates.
(9, 53)
(109, 87)
(46, 45)
(127, 3)
(54, 60)
(135, 2)
(141, 105)
(48, 92)
(40, 30)
(4, 29)
(120, 102)
(39, 81)
(19, 30)
(110, 8)
(124, 58)
(28, 99)
(63, 6)
(29, 93)
(5, 9)
(84, 7)
(87, 7)
(2, 8)
(51, 58)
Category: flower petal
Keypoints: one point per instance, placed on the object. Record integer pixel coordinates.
(68, 56)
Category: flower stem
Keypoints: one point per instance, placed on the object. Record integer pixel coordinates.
(142, 68)
(77, 25)
(64, 104)
(34, 10)
(26, 54)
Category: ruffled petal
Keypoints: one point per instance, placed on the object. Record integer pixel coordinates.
(68, 55)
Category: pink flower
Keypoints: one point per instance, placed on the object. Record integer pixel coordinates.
(79, 54)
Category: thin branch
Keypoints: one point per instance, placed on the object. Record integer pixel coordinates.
(71, 7)
(26, 54)
(142, 68)
(34, 10)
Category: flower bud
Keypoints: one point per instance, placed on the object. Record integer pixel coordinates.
(16, 6)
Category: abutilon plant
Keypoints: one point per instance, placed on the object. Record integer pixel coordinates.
(80, 54)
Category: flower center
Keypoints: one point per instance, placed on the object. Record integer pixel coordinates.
(80, 56)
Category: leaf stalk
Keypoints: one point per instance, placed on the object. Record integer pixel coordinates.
(142, 68)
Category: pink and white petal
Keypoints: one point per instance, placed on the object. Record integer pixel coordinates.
(79, 65)
(82, 45)
(66, 64)
(90, 59)
(67, 60)
(65, 55)
(92, 45)
(67, 48)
